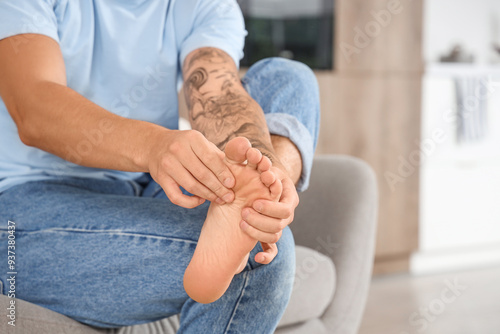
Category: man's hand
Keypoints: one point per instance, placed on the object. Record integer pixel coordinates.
(189, 160)
(266, 220)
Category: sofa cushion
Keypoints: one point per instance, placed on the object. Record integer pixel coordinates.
(31, 318)
(314, 287)
(315, 326)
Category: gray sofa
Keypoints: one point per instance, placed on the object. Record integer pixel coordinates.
(334, 224)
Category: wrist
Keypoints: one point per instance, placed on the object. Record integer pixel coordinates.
(150, 145)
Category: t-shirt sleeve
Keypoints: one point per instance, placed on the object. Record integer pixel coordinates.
(218, 24)
(28, 16)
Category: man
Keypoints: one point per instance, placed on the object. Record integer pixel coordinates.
(92, 163)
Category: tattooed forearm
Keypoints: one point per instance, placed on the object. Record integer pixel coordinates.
(211, 55)
(218, 105)
(197, 79)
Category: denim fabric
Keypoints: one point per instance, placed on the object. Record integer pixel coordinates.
(105, 254)
(112, 253)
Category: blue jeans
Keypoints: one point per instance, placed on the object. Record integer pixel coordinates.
(112, 253)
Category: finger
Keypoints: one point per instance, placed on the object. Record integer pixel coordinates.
(268, 254)
(210, 182)
(176, 196)
(282, 209)
(262, 223)
(259, 235)
(289, 194)
(276, 188)
(210, 157)
(185, 179)
(273, 209)
(220, 153)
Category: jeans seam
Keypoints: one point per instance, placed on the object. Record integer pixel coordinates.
(237, 302)
(113, 232)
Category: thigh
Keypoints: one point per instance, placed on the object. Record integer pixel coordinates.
(98, 253)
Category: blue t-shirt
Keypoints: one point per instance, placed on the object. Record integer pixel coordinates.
(124, 55)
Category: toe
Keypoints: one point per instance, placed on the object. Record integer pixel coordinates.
(268, 178)
(253, 157)
(236, 150)
(264, 164)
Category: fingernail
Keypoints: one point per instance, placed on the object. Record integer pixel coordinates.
(227, 198)
(245, 214)
(259, 206)
(228, 183)
(219, 201)
(262, 258)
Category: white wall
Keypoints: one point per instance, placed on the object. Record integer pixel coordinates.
(473, 23)
(460, 183)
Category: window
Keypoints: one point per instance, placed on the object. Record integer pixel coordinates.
(294, 29)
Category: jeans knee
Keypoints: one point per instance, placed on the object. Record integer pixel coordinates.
(296, 71)
(288, 71)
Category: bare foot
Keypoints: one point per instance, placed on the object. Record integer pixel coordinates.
(223, 248)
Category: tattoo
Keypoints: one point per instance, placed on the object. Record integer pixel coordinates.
(211, 55)
(197, 79)
(222, 110)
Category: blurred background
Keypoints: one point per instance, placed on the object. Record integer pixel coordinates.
(413, 88)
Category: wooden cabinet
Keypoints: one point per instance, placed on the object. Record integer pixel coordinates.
(371, 107)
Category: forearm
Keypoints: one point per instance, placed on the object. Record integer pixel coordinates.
(218, 105)
(58, 120)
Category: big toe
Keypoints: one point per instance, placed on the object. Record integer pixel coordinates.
(236, 150)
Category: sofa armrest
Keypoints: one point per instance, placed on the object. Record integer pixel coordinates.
(337, 217)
